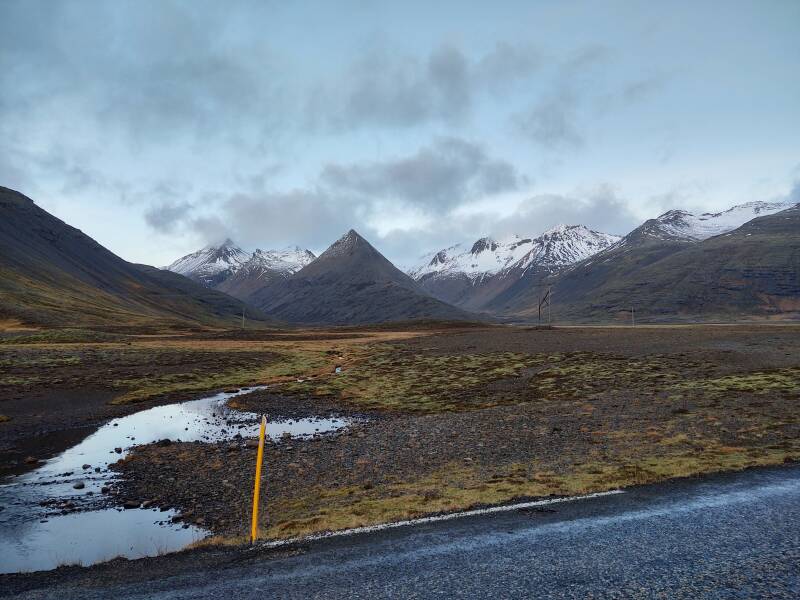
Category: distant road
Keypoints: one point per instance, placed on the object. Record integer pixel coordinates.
(735, 536)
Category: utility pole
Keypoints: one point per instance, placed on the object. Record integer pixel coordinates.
(546, 298)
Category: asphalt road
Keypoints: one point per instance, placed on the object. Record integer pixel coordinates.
(730, 536)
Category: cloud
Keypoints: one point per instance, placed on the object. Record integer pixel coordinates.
(448, 172)
(165, 217)
(601, 209)
(505, 65)
(558, 117)
(390, 89)
(552, 121)
(306, 217)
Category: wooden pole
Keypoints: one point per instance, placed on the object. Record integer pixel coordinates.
(257, 485)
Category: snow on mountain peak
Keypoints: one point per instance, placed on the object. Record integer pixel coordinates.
(680, 224)
(215, 263)
(288, 260)
(211, 260)
(558, 246)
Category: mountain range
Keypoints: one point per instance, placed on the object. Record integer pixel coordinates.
(472, 278)
(743, 262)
(594, 275)
(230, 269)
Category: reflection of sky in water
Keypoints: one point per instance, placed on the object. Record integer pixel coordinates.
(89, 537)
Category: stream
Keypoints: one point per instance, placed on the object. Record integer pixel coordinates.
(58, 514)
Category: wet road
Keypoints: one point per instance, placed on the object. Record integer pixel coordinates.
(735, 536)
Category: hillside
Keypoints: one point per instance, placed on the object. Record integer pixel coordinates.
(352, 283)
(52, 273)
(751, 271)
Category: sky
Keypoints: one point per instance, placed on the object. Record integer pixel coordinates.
(158, 127)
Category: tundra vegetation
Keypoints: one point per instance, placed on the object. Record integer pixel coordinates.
(451, 418)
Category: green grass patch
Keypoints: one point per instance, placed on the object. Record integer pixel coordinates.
(762, 382)
(461, 488)
(388, 378)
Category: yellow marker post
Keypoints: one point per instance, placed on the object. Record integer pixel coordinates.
(257, 486)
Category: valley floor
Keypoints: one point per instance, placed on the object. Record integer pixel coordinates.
(447, 418)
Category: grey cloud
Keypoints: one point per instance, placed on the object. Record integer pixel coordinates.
(449, 70)
(555, 120)
(165, 217)
(150, 70)
(507, 64)
(440, 176)
(300, 216)
(552, 122)
(600, 209)
(585, 58)
(392, 90)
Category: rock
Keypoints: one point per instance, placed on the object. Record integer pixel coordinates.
(163, 443)
(147, 503)
(118, 450)
(87, 466)
(251, 443)
(79, 485)
(31, 460)
(105, 489)
(130, 504)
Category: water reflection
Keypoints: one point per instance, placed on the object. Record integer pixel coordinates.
(34, 532)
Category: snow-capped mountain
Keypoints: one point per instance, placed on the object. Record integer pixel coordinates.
(564, 245)
(473, 276)
(287, 261)
(483, 258)
(212, 264)
(682, 225)
(557, 247)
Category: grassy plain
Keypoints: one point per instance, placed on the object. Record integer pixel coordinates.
(457, 417)
(465, 418)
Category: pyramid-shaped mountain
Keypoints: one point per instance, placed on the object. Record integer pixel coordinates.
(53, 274)
(352, 283)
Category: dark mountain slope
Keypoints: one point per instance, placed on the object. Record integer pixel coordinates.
(751, 271)
(587, 280)
(51, 273)
(351, 283)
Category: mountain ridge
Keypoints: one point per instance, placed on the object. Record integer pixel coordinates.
(52, 273)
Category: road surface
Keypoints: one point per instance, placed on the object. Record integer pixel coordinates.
(728, 536)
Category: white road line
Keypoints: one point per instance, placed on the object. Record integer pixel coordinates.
(424, 520)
